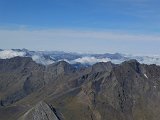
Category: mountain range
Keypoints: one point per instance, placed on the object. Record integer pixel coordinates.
(62, 91)
(49, 57)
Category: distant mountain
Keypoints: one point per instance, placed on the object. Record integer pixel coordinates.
(49, 57)
(62, 91)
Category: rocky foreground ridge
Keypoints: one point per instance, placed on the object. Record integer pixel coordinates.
(41, 111)
(60, 91)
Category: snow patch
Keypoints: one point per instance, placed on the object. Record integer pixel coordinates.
(146, 76)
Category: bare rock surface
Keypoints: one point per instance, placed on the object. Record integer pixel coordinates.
(40, 112)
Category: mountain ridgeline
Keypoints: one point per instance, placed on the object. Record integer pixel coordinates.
(61, 91)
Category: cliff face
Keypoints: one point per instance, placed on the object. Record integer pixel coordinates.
(104, 91)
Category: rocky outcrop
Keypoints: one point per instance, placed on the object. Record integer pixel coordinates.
(41, 111)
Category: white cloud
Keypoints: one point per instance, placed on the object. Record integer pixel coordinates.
(89, 60)
(10, 54)
(42, 60)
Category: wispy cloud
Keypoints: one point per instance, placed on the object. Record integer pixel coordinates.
(67, 34)
(95, 41)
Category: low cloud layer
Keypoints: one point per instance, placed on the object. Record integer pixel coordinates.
(90, 60)
(10, 54)
(46, 58)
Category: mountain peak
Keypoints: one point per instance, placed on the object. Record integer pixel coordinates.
(134, 64)
(61, 67)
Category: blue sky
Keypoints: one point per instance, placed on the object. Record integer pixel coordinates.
(98, 26)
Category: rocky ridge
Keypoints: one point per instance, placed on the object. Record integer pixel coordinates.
(104, 91)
